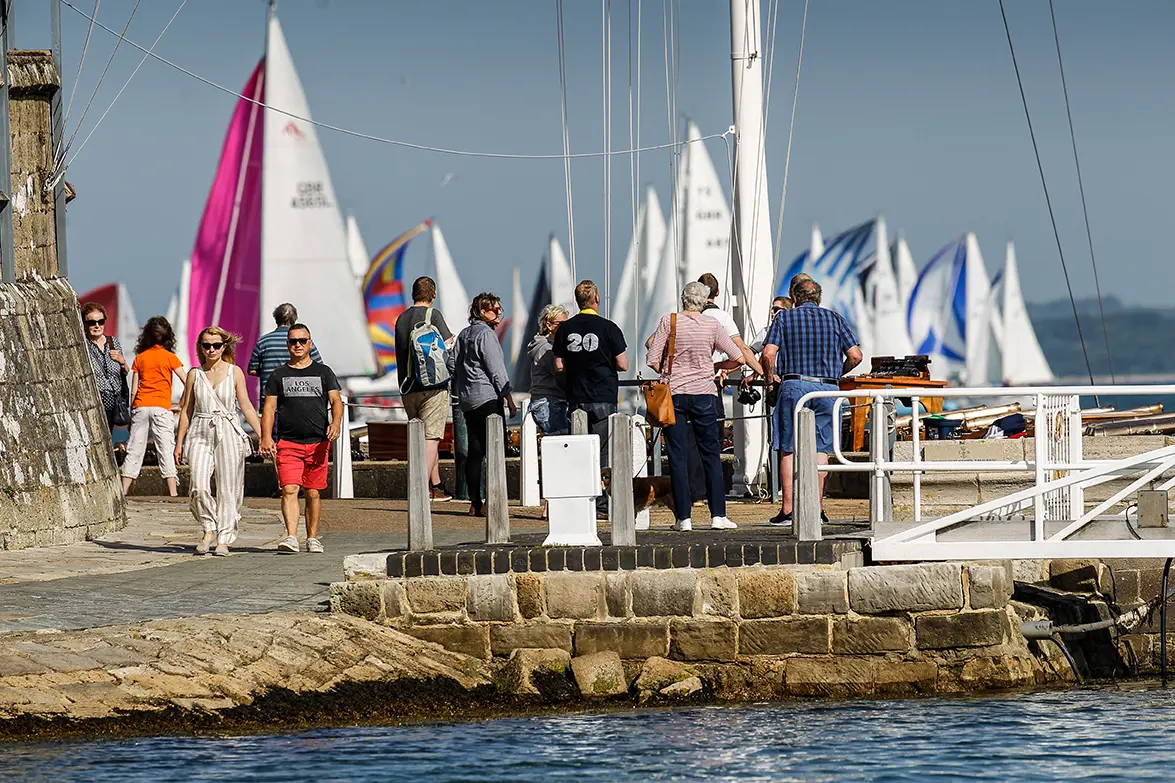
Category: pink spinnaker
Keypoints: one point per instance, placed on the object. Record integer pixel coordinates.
(226, 261)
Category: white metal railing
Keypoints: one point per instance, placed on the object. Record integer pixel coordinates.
(1059, 466)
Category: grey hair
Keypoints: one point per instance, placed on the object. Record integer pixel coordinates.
(548, 316)
(285, 314)
(694, 296)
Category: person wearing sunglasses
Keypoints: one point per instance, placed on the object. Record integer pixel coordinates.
(151, 377)
(298, 395)
(482, 384)
(106, 360)
(214, 398)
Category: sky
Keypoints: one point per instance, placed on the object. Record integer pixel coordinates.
(907, 108)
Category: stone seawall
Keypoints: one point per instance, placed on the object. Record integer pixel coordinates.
(58, 480)
(751, 631)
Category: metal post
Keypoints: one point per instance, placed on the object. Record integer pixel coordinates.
(57, 119)
(7, 253)
(621, 511)
(657, 452)
(915, 438)
(497, 507)
(460, 452)
(879, 505)
(807, 489)
(419, 510)
(579, 425)
(528, 447)
(344, 484)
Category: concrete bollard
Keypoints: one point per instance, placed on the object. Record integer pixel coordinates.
(529, 467)
(807, 489)
(419, 509)
(344, 484)
(621, 512)
(579, 422)
(497, 505)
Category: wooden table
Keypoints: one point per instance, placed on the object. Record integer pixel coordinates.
(860, 409)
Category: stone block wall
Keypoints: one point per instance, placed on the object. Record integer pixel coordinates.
(33, 81)
(809, 630)
(58, 479)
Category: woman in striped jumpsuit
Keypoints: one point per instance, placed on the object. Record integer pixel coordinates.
(216, 441)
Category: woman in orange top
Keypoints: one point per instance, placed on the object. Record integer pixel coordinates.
(155, 364)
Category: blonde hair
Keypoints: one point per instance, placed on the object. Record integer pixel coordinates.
(228, 353)
(548, 317)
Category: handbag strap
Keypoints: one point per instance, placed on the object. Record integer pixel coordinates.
(671, 347)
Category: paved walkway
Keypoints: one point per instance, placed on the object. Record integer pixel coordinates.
(149, 570)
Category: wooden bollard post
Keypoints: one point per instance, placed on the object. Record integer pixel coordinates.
(579, 422)
(419, 510)
(497, 508)
(807, 490)
(621, 512)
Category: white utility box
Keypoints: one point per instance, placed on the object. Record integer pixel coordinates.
(571, 482)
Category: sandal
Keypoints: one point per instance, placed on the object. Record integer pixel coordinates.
(204, 545)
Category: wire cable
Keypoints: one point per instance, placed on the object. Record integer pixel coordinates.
(790, 134)
(371, 137)
(566, 148)
(61, 172)
(77, 79)
(1047, 199)
(606, 76)
(1081, 188)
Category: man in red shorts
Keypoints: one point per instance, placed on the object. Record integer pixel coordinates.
(297, 393)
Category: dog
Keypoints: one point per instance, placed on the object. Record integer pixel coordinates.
(646, 491)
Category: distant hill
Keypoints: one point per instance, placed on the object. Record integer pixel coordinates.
(1140, 337)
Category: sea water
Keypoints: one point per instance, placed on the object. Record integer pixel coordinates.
(1087, 735)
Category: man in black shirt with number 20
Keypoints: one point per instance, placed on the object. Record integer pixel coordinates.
(589, 349)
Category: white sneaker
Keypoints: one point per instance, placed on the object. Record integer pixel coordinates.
(289, 544)
(721, 523)
(314, 545)
(683, 525)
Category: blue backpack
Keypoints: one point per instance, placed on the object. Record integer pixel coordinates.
(429, 355)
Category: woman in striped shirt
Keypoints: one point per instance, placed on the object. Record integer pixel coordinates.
(696, 404)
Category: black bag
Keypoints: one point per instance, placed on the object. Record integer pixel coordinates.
(121, 415)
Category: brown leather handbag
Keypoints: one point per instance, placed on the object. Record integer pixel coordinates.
(658, 399)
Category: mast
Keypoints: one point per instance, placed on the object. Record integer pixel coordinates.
(751, 259)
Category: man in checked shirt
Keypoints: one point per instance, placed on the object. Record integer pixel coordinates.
(810, 347)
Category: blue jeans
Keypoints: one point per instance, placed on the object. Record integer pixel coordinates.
(550, 414)
(789, 394)
(597, 416)
(697, 413)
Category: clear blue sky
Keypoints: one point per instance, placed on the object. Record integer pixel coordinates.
(907, 107)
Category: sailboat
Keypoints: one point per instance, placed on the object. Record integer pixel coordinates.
(904, 268)
(884, 306)
(356, 250)
(554, 267)
(644, 255)
(177, 315)
(518, 317)
(699, 240)
(452, 299)
(1022, 362)
(272, 230)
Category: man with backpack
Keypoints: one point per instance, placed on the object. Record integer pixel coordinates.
(422, 342)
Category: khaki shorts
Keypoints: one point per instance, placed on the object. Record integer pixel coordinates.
(430, 406)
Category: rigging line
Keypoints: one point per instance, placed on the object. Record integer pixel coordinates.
(677, 206)
(1045, 187)
(121, 37)
(368, 136)
(787, 155)
(566, 149)
(1081, 188)
(634, 163)
(82, 146)
(606, 41)
(85, 48)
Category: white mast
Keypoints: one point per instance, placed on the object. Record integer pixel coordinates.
(751, 257)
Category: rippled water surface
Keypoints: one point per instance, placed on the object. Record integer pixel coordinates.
(1091, 735)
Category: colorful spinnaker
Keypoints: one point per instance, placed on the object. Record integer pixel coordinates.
(383, 296)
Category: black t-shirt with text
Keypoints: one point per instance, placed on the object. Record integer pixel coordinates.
(303, 401)
(588, 344)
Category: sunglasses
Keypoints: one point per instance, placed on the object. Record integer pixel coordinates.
(211, 346)
(98, 322)
(297, 340)
(494, 309)
(777, 309)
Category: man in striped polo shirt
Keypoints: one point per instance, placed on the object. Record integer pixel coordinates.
(271, 350)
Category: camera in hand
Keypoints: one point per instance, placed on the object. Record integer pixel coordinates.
(748, 395)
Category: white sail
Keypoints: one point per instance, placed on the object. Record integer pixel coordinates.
(907, 273)
(644, 255)
(888, 328)
(1022, 361)
(303, 242)
(177, 314)
(452, 299)
(816, 244)
(518, 318)
(705, 234)
(562, 284)
(663, 285)
(978, 329)
(356, 250)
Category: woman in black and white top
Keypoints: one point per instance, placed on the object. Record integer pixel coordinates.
(106, 359)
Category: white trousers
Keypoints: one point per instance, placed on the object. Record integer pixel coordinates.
(214, 447)
(161, 424)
